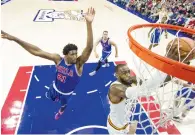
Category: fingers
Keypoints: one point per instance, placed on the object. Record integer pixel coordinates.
(174, 52)
(173, 49)
(88, 11)
(3, 36)
(2, 32)
(91, 11)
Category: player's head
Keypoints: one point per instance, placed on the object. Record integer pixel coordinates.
(105, 35)
(163, 9)
(122, 72)
(70, 52)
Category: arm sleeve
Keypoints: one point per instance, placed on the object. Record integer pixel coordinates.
(157, 79)
(132, 92)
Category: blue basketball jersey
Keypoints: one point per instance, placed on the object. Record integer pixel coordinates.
(106, 46)
(67, 77)
(158, 32)
(156, 35)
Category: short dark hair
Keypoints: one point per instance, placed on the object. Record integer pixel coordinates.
(69, 47)
(119, 66)
(105, 31)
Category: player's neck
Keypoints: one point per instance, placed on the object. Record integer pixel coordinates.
(67, 62)
(104, 39)
(127, 85)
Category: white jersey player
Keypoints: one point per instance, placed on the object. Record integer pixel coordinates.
(117, 122)
(126, 88)
(162, 14)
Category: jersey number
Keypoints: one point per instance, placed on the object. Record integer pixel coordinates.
(61, 78)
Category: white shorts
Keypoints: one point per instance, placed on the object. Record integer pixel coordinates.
(113, 130)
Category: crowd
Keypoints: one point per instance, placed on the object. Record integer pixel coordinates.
(180, 12)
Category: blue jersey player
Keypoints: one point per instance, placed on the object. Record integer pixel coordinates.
(156, 33)
(68, 68)
(106, 51)
(187, 92)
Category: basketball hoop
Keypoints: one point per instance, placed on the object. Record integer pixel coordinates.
(160, 99)
(169, 66)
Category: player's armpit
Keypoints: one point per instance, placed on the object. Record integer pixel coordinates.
(84, 56)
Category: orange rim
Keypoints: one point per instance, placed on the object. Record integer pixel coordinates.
(169, 66)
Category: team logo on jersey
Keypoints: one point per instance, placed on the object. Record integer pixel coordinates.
(49, 15)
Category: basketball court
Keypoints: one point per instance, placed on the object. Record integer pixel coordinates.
(25, 78)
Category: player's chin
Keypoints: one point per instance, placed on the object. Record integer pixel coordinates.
(128, 81)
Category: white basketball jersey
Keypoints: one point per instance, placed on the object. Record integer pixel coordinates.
(161, 15)
(119, 114)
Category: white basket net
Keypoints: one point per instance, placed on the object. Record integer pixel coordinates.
(162, 102)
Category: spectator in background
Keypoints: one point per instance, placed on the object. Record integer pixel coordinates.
(179, 11)
(170, 13)
(190, 23)
(180, 20)
(161, 14)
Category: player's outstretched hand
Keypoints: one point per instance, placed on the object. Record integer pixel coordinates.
(89, 16)
(6, 36)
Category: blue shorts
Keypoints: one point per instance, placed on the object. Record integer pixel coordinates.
(55, 96)
(155, 39)
(105, 55)
(187, 93)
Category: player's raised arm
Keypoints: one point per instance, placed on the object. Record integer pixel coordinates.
(34, 50)
(118, 90)
(88, 49)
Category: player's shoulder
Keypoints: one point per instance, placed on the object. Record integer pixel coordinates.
(116, 85)
(115, 82)
(110, 41)
(57, 58)
(60, 59)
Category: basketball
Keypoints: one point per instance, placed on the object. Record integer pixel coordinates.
(182, 46)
